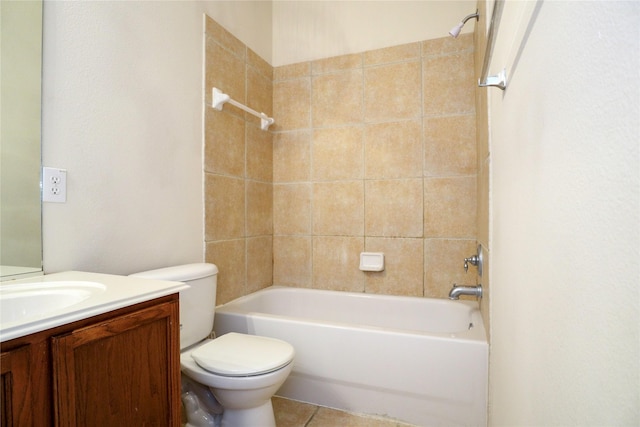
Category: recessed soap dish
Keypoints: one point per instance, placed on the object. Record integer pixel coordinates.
(371, 261)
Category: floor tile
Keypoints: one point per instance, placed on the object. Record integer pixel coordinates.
(291, 413)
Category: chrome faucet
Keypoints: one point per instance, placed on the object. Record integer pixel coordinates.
(456, 291)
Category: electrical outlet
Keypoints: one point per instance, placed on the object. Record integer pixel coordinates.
(54, 185)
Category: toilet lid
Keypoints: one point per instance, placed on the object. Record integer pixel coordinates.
(237, 355)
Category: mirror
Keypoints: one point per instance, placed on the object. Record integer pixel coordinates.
(20, 126)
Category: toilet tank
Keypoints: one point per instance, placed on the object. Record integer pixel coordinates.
(197, 304)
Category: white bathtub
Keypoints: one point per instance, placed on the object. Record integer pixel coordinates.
(419, 360)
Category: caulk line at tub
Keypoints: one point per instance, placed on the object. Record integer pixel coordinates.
(220, 98)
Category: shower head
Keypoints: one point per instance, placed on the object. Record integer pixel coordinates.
(455, 31)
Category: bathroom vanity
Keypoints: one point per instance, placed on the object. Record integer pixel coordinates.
(117, 367)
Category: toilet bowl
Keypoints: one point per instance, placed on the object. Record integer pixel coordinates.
(244, 389)
(242, 371)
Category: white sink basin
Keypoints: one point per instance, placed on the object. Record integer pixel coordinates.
(39, 303)
(20, 302)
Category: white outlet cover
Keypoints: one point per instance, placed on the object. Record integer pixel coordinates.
(54, 185)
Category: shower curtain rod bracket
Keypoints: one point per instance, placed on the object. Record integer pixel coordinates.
(499, 80)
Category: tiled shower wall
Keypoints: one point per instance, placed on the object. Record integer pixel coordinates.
(484, 163)
(238, 167)
(371, 152)
(376, 152)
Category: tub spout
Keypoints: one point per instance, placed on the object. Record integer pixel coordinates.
(456, 291)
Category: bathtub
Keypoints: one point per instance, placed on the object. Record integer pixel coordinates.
(418, 360)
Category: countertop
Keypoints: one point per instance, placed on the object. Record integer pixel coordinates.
(117, 292)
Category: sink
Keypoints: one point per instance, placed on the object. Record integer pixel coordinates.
(40, 303)
(19, 302)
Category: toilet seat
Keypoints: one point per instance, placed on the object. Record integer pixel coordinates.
(241, 355)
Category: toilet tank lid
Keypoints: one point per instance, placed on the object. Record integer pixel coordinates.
(180, 273)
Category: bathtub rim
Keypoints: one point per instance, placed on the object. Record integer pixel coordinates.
(476, 334)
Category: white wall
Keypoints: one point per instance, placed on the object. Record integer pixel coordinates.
(122, 112)
(308, 30)
(565, 215)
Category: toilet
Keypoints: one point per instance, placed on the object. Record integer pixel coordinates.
(242, 371)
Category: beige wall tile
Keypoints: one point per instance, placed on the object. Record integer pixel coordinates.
(443, 265)
(226, 72)
(403, 52)
(336, 63)
(292, 156)
(485, 302)
(256, 62)
(336, 261)
(337, 98)
(392, 92)
(224, 143)
(259, 163)
(403, 273)
(259, 263)
(259, 199)
(302, 185)
(482, 124)
(291, 104)
(450, 145)
(292, 261)
(225, 38)
(338, 208)
(337, 154)
(483, 204)
(229, 256)
(292, 71)
(292, 209)
(394, 208)
(482, 114)
(239, 192)
(224, 207)
(484, 162)
(259, 94)
(393, 150)
(448, 84)
(450, 207)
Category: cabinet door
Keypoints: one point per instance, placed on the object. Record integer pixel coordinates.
(15, 387)
(121, 372)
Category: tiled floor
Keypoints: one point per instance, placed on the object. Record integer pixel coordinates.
(290, 413)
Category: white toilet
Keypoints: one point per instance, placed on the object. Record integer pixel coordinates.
(242, 371)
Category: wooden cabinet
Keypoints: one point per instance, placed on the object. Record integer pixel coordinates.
(15, 388)
(119, 368)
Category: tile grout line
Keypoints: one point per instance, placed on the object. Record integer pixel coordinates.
(312, 416)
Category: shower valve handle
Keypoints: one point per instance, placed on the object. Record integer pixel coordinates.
(473, 260)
